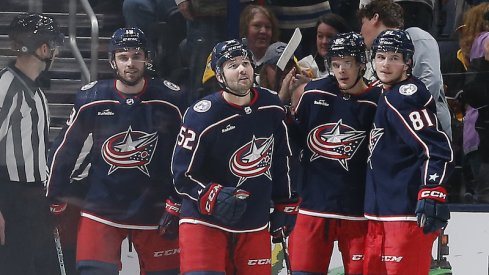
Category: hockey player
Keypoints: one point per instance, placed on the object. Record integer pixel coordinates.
(230, 161)
(129, 127)
(410, 160)
(334, 116)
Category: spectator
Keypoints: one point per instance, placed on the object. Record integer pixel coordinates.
(163, 40)
(230, 162)
(326, 28)
(270, 76)
(299, 14)
(380, 15)
(27, 226)
(417, 13)
(260, 28)
(129, 126)
(206, 25)
(476, 128)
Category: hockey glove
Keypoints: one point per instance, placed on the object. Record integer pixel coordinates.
(282, 219)
(57, 208)
(168, 226)
(226, 204)
(431, 211)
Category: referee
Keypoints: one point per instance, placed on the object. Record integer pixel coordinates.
(28, 233)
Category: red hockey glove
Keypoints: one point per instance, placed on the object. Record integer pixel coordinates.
(226, 204)
(431, 211)
(168, 226)
(282, 219)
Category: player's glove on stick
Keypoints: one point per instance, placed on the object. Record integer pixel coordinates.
(226, 204)
(168, 226)
(432, 213)
(282, 219)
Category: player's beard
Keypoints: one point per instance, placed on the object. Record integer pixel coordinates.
(137, 76)
(239, 88)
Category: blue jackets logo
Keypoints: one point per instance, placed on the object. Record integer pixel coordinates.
(129, 150)
(335, 141)
(253, 159)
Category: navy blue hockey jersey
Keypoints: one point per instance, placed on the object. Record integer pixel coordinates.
(130, 140)
(236, 146)
(407, 149)
(335, 128)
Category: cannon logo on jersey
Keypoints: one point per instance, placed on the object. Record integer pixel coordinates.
(129, 149)
(375, 135)
(335, 141)
(253, 159)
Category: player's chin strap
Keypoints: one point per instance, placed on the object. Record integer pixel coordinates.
(224, 86)
(48, 60)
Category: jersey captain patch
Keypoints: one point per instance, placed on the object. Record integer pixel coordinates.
(253, 159)
(129, 149)
(335, 141)
(408, 89)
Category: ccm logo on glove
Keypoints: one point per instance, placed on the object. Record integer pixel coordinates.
(438, 194)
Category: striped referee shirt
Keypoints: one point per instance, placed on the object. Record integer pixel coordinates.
(24, 125)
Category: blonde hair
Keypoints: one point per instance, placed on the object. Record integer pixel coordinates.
(473, 24)
(247, 15)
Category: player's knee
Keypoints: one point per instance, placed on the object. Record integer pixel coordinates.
(96, 268)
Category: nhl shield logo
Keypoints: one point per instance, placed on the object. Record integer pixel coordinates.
(253, 159)
(129, 150)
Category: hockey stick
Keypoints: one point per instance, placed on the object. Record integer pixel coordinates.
(286, 253)
(289, 50)
(59, 251)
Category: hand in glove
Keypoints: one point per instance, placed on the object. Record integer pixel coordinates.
(282, 219)
(226, 204)
(432, 213)
(168, 226)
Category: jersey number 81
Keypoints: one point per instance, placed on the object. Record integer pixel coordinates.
(420, 119)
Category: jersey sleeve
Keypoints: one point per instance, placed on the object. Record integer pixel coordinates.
(280, 165)
(414, 119)
(189, 154)
(69, 149)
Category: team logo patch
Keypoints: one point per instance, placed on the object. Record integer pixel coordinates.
(202, 106)
(253, 159)
(335, 141)
(171, 85)
(375, 135)
(408, 89)
(88, 86)
(129, 150)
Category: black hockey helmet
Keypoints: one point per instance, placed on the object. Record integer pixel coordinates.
(398, 41)
(30, 30)
(347, 44)
(226, 50)
(125, 38)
